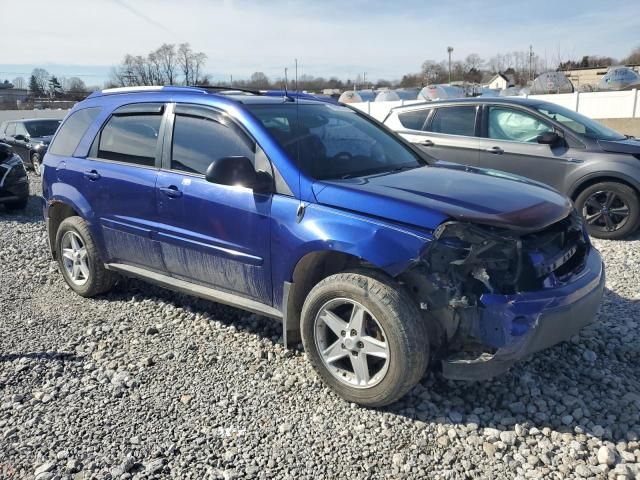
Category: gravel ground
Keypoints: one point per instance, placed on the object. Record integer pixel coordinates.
(146, 383)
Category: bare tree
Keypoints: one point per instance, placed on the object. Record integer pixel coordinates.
(632, 59)
(259, 80)
(75, 85)
(168, 60)
(163, 66)
(191, 64)
(41, 77)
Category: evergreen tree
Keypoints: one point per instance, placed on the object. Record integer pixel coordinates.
(55, 89)
(35, 87)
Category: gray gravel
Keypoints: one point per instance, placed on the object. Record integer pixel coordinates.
(146, 383)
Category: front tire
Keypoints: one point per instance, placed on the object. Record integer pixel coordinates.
(365, 337)
(79, 260)
(611, 210)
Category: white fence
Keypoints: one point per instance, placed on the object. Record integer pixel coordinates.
(598, 105)
(22, 114)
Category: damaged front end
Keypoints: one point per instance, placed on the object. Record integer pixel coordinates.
(493, 296)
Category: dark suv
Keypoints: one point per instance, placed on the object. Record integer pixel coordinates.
(29, 138)
(314, 214)
(594, 165)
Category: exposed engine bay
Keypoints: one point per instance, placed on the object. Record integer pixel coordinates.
(465, 262)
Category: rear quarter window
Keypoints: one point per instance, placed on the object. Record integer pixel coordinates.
(414, 120)
(72, 130)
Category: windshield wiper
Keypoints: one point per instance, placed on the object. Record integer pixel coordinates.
(378, 171)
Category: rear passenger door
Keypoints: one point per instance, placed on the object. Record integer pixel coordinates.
(119, 179)
(211, 234)
(449, 133)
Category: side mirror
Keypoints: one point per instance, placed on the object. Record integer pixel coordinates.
(20, 138)
(549, 138)
(237, 171)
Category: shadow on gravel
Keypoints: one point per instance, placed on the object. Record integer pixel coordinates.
(563, 388)
(47, 356)
(31, 214)
(242, 320)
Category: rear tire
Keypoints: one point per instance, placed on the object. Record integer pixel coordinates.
(79, 260)
(611, 210)
(392, 326)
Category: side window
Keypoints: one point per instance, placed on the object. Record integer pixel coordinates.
(130, 139)
(11, 130)
(20, 130)
(199, 141)
(455, 121)
(72, 130)
(514, 125)
(415, 119)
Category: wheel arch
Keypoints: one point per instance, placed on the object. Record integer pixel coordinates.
(57, 212)
(595, 178)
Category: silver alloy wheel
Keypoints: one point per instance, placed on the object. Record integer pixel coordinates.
(74, 258)
(352, 343)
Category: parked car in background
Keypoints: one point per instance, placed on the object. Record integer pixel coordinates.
(29, 138)
(312, 213)
(598, 168)
(14, 184)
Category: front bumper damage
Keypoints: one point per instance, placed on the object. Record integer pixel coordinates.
(521, 324)
(492, 297)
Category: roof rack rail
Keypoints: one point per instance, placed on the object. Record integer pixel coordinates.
(221, 88)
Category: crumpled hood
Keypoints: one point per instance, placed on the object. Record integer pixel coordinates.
(629, 145)
(427, 196)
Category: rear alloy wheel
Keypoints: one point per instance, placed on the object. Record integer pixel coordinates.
(610, 210)
(79, 260)
(36, 162)
(365, 337)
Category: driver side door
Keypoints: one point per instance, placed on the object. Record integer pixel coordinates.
(509, 143)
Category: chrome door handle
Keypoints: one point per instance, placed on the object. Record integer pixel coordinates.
(495, 150)
(171, 191)
(92, 175)
(426, 143)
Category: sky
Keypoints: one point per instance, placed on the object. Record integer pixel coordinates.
(328, 37)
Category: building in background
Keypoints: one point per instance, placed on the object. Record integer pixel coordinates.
(499, 82)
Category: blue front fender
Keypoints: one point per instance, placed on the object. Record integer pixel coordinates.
(391, 248)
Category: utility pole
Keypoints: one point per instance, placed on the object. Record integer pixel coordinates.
(364, 80)
(530, 62)
(449, 50)
(231, 80)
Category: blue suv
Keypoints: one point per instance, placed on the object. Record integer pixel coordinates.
(312, 213)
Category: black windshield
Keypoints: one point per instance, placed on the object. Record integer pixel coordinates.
(42, 128)
(333, 141)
